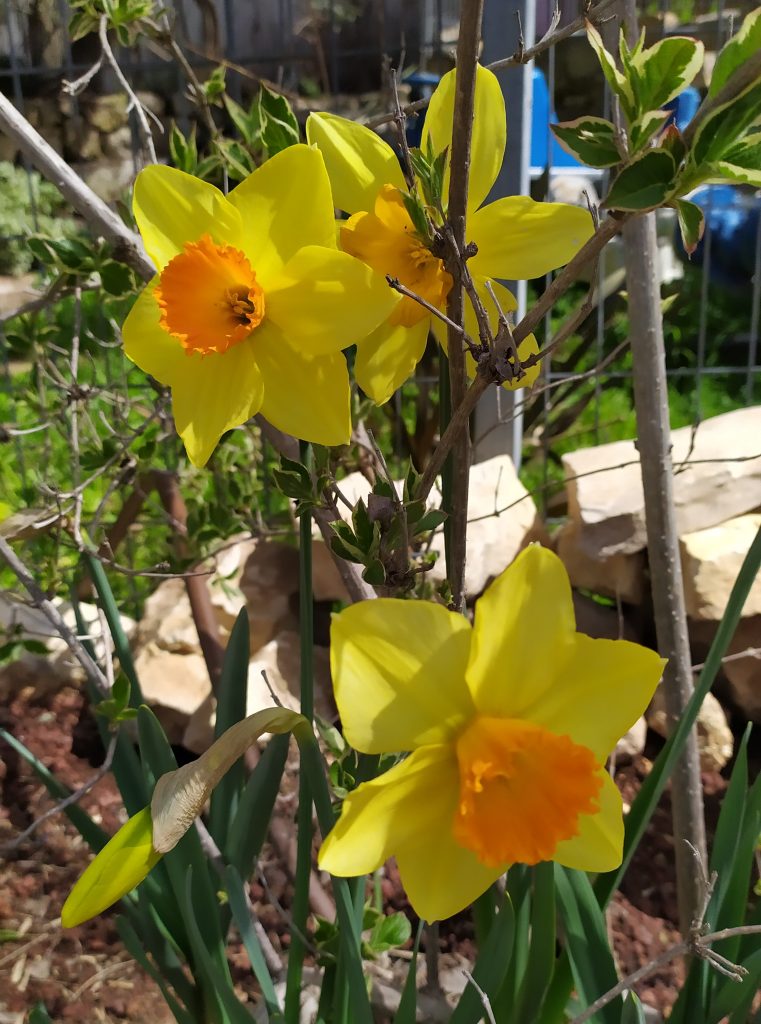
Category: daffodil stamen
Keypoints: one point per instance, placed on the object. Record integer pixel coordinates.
(209, 297)
(386, 241)
(522, 789)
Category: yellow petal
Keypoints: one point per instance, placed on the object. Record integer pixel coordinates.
(388, 357)
(519, 239)
(599, 692)
(148, 344)
(214, 393)
(122, 864)
(358, 161)
(179, 796)
(440, 876)
(600, 842)
(528, 347)
(326, 300)
(284, 204)
(524, 633)
(489, 132)
(172, 208)
(380, 815)
(308, 398)
(398, 672)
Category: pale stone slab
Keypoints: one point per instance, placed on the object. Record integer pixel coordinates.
(717, 477)
(711, 560)
(618, 576)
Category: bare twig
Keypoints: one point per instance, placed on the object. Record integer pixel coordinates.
(134, 100)
(72, 798)
(554, 35)
(214, 855)
(39, 600)
(485, 1001)
(41, 154)
(699, 947)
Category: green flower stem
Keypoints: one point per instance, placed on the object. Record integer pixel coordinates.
(300, 908)
(445, 415)
(314, 769)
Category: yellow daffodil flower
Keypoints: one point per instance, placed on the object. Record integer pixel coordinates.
(252, 303)
(508, 723)
(517, 238)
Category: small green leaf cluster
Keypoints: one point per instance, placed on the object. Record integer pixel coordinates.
(381, 532)
(380, 933)
(117, 707)
(425, 202)
(129, 18)
(28, 204)
(660, 166)
(266, 127)
(301, 485)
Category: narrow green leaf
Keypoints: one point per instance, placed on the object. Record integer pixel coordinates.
(407, 1011)
(691, 224)
(541, 955)
(490, 967)
(218, 985)
(644, 183)
(592, 140)
(736, 51)
(632, 1013)
(119, 637)
(39, 1015)
(647, 798)
(92, 834)
(314, 765)
(594, 971)
(242, 916)
(136, 947)
(251, 823)
(232, 694)
(728, 830)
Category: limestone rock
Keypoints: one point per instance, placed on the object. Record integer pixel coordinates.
(58, 666)
(327, 584)
(744, 673)
(632, 743)
(167, 621)
(15, 291)
(711, 560)
(281, 661)
(741, 669)
(618, 576)
(715, 740)
(108, 112)
(605, 488)
(269, 583)
(174, 685)
(502, 519)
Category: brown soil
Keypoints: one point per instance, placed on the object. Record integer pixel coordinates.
(84, 974)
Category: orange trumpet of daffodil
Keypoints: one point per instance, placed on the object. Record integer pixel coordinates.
(517, 238)
(509, 723)
(252, 302)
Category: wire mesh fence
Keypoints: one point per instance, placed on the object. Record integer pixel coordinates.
(338, 47)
